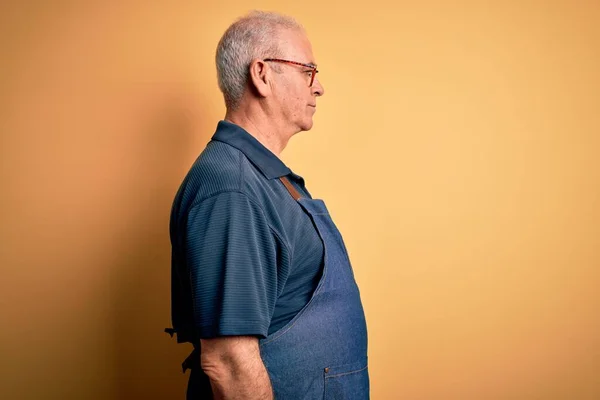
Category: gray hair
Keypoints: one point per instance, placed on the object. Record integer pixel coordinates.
(252, 36)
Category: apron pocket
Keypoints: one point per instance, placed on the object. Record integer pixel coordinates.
(347, 382)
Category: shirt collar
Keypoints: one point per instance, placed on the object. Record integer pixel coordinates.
(267, 162)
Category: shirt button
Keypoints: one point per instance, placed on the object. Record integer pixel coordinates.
(326, 370)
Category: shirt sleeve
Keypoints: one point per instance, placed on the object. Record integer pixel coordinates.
(232, 256)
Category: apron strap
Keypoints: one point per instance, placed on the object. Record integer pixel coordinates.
(192, 361)
(290, 188)
(170, 331)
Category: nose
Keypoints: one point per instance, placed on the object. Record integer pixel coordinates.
(317, 88)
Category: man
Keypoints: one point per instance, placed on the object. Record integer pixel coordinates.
(261, 281)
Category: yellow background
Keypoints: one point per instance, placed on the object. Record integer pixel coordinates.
(456, 146)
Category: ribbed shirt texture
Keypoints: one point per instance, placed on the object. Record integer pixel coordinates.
(245, 256)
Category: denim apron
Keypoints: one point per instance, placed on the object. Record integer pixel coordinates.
(322, 352)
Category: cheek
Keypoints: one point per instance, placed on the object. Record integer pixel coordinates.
(294, 97)
(294, 101)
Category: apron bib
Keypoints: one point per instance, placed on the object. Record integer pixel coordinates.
(322, 352)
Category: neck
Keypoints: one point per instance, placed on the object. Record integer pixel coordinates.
(257, 122)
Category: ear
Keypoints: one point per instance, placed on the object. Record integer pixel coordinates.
(260, 76)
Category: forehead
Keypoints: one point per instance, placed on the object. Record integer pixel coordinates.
(295, 46)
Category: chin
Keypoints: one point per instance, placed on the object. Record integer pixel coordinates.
(306, 125)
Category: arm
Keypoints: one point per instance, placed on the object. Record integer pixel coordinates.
(235, 368)
(237, 266)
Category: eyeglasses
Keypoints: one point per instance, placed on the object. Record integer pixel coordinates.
(313, 68)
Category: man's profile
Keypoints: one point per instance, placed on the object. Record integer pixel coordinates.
(262, 285)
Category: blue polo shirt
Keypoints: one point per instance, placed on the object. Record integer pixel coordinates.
(245, 256)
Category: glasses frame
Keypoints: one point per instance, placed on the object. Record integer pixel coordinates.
(312, 67)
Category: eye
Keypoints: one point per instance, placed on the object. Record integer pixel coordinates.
(309, 73)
